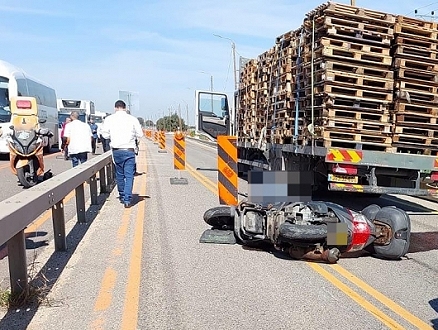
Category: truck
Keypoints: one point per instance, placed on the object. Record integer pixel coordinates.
(351, 94)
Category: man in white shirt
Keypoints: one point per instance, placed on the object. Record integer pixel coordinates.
(123, 129)
(79, 137)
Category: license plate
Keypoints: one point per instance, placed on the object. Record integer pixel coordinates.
(343, 178)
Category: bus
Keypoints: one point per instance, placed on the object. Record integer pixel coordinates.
(15, 82)
(65, 107)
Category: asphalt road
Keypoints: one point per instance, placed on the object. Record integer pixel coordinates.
(144, 268)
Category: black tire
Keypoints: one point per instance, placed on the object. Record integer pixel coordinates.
(48, 147)
(220, 217)
(25, 179)
(400, 224)
(371, 211)
(290, 233)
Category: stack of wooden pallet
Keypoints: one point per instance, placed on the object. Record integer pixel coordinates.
(352, 76)
(373, 84)
(247, 99)
(416, 85)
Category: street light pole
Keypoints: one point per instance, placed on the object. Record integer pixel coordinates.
(233, 48)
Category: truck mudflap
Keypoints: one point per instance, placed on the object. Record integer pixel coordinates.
(381, 190)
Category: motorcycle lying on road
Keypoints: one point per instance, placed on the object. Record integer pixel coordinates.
(25, 141)
(319, 231)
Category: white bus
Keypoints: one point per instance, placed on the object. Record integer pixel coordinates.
(15, 82)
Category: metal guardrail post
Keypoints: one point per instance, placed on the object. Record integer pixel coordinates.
(93, 190)
(102, 180)
(80, 203)
(109, 176)
(58, 218)
(17, 263)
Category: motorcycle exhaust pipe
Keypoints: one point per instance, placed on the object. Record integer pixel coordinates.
(330, 256)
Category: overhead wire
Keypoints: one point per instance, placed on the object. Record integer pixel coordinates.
(431, 4)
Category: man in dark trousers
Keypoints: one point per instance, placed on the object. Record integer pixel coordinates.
(123, 129)
(94, 128)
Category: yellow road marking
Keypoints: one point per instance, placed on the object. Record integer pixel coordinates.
(107, 286)
(415, 321)
(381, 316)
(104, 297)
(132, 297)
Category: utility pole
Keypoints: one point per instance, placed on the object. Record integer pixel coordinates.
(187, 108)
(353, 3)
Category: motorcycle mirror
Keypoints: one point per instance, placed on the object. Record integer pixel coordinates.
(41, 121)
(11, 127)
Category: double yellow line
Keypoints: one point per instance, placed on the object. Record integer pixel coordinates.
(359, 299)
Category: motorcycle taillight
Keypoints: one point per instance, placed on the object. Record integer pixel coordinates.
(361, 232)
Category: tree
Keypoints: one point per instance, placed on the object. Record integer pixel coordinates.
(149, 123)
(170, 123)
(141, 120)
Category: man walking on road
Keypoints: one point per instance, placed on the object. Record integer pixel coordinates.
(78, 141)
(123, 129)
(94, 128)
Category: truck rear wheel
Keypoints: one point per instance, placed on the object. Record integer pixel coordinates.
(400, 224)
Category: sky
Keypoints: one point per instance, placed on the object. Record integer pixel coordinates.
(161, 51)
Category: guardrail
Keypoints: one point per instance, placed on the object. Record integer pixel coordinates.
(20, 210)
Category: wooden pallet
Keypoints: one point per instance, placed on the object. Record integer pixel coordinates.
(357, 137)
(414, 132)
(414, 31)
(417, 109)
(416, 53)
(353, 92)
(347, 67)
(357, 126)
(417, 76)
(348, 114)
(419, 142)
(327, 42)
(415, 23)
(415, 86)
(409, 41)
(355, 13)
(415, 65)
(340, 79)
(335, 143)
(420, 97)
(354, 104)
(361, 25)
(350, 55)
(414, 119)
(354, 35)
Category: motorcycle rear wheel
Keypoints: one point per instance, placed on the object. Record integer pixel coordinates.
(25, 178)
(400, 224)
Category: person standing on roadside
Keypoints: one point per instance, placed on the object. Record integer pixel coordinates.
(79, 137)
(94, 128)
(64, 139)
(123, 129)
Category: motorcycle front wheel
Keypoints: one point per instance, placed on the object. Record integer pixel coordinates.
(27, 179)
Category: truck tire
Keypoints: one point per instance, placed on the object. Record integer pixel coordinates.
(400, 224)
(290, 233)
(221, 217)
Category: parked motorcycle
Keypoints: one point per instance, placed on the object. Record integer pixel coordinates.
(320, 231)
(25, 141)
